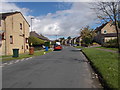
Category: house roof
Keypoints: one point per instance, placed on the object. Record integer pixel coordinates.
(33, 33)
(100, 27)
(4, 15)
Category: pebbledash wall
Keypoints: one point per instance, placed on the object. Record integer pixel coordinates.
(15, 33)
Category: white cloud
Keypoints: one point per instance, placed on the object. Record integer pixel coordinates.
(9, 7)
(65, 22)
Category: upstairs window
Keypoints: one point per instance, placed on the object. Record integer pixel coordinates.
(0, 23)
(26, 40)
(20, 26)
(11, 39)
(3, 36)
(105, 31)
(26, 46)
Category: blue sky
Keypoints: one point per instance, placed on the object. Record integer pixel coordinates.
(43, 8)
(55, 18)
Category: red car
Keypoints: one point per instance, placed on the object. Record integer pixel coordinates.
(57, 47)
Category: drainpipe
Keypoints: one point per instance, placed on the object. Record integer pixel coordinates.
(24, 35)
(5, 38)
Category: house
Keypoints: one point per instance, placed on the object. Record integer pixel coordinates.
(105, 33)
(33, 33)
(14, 33)
(78, 40)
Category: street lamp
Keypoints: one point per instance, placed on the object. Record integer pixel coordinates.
(31, 23)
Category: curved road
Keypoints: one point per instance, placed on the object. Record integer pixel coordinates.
(58, 69)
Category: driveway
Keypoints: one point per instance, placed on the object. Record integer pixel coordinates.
(58, 69)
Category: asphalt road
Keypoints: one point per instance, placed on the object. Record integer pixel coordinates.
(58, 69)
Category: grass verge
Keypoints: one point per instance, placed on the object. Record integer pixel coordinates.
(79, 47)
(114, 49)
(21, 56)
(106, 64)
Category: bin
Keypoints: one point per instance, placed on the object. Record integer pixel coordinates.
(31, 50)
(46, 48)
(15, 52)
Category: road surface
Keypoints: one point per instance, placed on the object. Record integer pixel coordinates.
(58, 69)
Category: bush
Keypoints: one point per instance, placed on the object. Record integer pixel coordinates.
(87, 40)
(111, 44)
(35, 41)
(36, 48)
(94, 43)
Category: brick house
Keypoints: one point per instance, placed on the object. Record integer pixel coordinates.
(105, 32)
(14, 33)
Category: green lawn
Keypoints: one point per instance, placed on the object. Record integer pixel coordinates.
(106, 64)
(21, 56)
(114, 49)
(79, 47)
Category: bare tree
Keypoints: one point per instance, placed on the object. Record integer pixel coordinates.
(107, 11)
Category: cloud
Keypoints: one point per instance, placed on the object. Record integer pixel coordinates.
(65, 22)
(9, 7)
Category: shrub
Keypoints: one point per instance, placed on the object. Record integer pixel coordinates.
(35, 41)
(111, 44)
(86, 41)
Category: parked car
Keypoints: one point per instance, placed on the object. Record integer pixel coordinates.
(57, 46)
(74, 45)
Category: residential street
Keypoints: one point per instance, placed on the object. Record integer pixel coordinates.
(58, 69)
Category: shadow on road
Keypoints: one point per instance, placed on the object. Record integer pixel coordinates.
(80, 60)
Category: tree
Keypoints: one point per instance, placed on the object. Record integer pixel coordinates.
(69, 38)
(107, 11)
(35, 41)
(87, 35)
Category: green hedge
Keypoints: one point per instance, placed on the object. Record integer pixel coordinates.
(35, 41)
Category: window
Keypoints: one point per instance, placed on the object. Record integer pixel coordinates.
(3, 36)
(26, 40)
(0, 37)
(21, 26)
(0, 23)
(105, 31)
(22, 46)
(11, 39)
(26, 46)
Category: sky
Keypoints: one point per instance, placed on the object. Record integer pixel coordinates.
(55, 18)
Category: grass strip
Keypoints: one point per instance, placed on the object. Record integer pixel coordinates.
(21, 56)
(114, 49)
(106, 64)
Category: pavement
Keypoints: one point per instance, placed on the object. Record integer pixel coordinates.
(67, 68)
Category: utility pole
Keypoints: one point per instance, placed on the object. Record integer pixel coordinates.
(31, 23)
(56, 37)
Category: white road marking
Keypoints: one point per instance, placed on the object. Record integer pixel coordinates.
(26, 58)
(30, 57)
(4, 63)
(22, 59)
(16, 61)
(9, 63)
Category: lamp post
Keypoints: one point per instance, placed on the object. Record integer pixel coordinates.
(31, 23)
